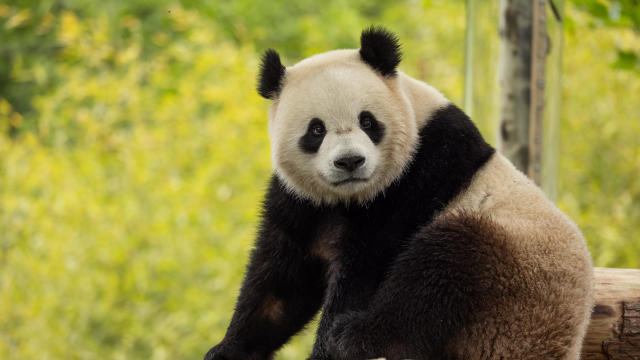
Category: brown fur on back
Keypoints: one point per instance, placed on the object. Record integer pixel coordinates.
(536, 270)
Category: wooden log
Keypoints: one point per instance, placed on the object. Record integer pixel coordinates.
(614, 331)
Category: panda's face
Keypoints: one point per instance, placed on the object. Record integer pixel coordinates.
(339, 130)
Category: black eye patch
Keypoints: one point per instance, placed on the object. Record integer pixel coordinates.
(371, 126)
(310, 142)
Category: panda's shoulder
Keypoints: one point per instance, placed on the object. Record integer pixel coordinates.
(284, 210)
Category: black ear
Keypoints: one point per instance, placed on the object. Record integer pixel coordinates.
(380, 49)
(271, 75)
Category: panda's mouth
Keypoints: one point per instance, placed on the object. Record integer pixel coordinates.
(351, 180)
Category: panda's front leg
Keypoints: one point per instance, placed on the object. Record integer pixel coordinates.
(362, 334)
(429, 295)
(283, 286)
(282, 290)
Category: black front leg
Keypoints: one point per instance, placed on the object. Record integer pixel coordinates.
(348, 293)
(320, 348)
(283, 286)
(433, 290)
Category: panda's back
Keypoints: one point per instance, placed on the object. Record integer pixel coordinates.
(536, 266)
(505, 195)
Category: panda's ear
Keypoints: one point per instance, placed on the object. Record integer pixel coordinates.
(271, 75)
(380, 49)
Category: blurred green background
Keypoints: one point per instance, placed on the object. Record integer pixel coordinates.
(134, 153)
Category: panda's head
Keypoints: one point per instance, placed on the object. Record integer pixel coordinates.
(341, 128)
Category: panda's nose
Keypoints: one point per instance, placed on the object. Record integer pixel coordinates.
(349, 163)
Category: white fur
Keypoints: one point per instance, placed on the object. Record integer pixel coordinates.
(335, 87)
(342, 143)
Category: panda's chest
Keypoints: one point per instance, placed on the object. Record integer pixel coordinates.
(356, 248)
(326, 244)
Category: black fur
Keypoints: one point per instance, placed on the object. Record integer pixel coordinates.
(380, 49)
(281, 267)
(362, 278)
(376, 130)
(432, 290)
(310, 142)
(271, 75)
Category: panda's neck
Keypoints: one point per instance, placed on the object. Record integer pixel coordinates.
(423, 98)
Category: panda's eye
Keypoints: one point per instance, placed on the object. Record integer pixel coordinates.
(316, 127)
(317, 130)
(312, 139)
(366, 120)
(371, 126)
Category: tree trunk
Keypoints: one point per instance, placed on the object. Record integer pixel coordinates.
(539, 52)
(515, 80)
(524, 48)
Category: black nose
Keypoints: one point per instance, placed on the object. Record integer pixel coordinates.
(349, 163)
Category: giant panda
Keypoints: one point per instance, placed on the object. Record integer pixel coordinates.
(388, 212)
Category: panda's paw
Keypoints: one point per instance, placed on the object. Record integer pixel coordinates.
(215, 353)
(350, 337)
(224, 351)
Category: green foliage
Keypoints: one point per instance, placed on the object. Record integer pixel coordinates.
(627, 60)
(599, 159)
(125, 221)
(619, 14)
(134, 154)
(624, 13)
